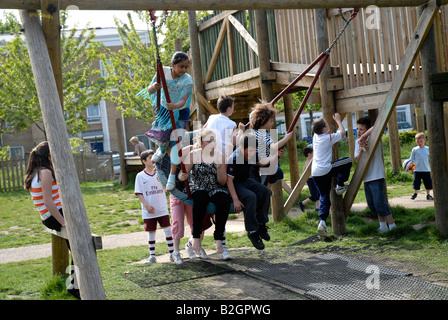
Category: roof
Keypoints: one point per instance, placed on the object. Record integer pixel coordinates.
(108, 36)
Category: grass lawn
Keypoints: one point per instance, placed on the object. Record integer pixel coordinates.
(113, 209)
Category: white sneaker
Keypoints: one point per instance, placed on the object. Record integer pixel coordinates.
(382, 230)
(202, 254)
(341, 189)
(322, 230)
(225, 255)
(171, 183)
(151, 259)
(190, 251)
(176, 258)
(156, 157)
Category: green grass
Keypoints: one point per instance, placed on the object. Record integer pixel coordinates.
(33, 280)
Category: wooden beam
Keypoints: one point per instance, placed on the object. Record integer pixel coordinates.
(297, 189)
(206, 104)
(415, 43)
(83, 251)
(436, 131)
(210, 4)
(244, 33)
(216, 52)
(196, 64)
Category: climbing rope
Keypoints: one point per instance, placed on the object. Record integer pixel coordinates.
(323, 57)
(161, 79)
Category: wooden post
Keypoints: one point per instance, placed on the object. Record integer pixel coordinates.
(436, 133)
(350, 135)
(50, 26)
(415, 43)
(120, 137)
(267, 94)
(197, 68)
(52, 33)
(292, 143)
(419, 119)
(328, 108)
(78, 229)
(394, 141)
(60, 255)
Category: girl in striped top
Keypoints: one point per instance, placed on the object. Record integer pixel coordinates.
(40, 180)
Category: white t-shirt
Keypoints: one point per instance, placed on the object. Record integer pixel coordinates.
(153, 193)
(375, 170)
(223, 127)
(322, 146)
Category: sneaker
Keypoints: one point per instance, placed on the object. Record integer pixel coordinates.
(413, 196)
(382, 230)
(201, 253)
(256, 240)
(429, 197)
(263, 232)
(171, 183)
(151, 259)
(341, 189)
(176, 258)
(191, 253)
(302, 206)
(156, 157)
(225, 255)
(322, 230)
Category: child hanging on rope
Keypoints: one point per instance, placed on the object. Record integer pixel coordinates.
(323, 169)
(180, 87)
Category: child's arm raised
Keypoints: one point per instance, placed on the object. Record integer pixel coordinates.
(337, 118)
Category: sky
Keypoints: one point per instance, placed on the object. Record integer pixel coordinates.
(97, 18)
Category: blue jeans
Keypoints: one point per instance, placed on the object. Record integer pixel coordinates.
(278, 175)
(376, 200)
(341, 170)
(255, 198)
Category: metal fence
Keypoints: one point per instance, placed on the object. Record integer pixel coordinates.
(89, 167)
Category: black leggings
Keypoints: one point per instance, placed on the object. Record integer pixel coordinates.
(200, 202)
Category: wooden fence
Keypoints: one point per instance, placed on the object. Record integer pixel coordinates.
(88, 167)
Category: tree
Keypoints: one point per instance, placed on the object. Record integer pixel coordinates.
(11, 25)
(132, 68)
(82, 85)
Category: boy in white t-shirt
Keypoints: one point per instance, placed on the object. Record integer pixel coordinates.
(323, 170)
(154, 206)
(224, 127)
(374, 178)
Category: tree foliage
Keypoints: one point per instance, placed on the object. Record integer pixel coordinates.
(132, 68)
(82, 84)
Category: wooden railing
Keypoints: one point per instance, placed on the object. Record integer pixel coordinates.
(367, 54)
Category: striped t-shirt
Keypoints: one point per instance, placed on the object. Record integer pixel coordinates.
(38, 197)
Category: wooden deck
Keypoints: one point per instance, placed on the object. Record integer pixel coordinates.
(364, 61)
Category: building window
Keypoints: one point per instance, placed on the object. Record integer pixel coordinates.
(93, 114)
(103, 68)
(17, 153)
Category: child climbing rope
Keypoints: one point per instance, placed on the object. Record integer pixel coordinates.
(180, 87)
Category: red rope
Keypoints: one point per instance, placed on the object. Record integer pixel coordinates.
(161, 79)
